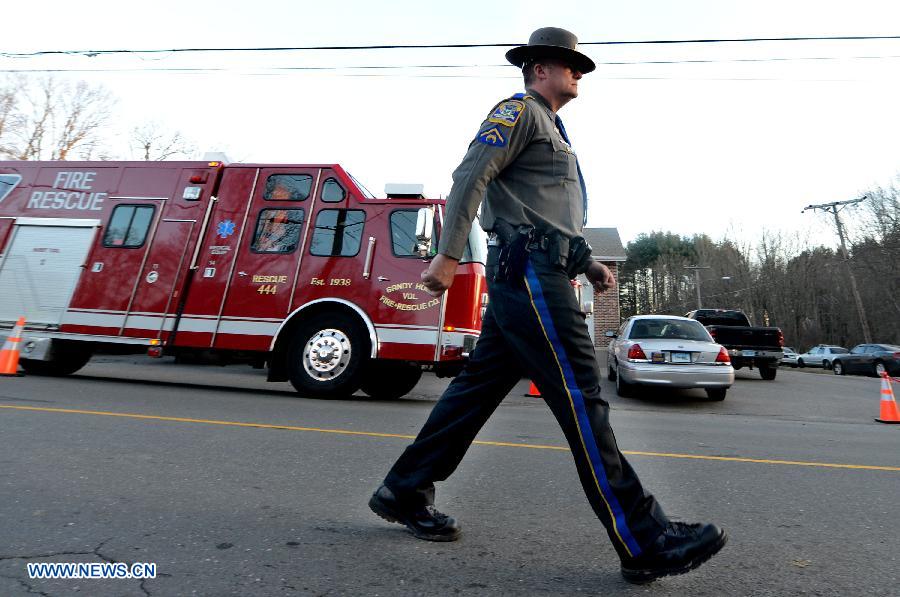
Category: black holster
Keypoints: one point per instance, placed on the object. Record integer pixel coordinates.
(514, 249)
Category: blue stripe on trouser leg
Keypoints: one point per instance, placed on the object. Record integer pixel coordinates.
(576, 400)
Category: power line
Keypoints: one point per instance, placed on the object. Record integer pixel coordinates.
(238, 69)
(252, 70)
(94, 53)
(731, 60)
(202, 71)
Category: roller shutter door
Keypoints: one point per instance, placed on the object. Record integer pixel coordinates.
(40, 269)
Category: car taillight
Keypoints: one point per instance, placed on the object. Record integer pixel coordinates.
(780, 338)
(636, 353)
(897, 355)
(723, 357)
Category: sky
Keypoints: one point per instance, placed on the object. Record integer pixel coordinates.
(727, 139)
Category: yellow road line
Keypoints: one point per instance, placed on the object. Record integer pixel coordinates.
(866, 467)
(205, 421)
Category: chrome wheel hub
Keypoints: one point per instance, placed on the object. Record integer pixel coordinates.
(326, 354)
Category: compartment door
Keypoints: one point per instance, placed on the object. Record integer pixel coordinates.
(158, 288)
(41, 266)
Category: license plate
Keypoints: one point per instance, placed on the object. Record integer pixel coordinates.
(748, 353)
(681, 357)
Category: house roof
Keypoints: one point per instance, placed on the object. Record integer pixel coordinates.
(606, 244)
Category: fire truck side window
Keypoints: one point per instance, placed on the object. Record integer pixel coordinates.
(277, 231)
(332, 191)
(287, 187)
(338, 232)
(403, 234)
(128, 226)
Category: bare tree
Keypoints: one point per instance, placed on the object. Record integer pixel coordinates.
(52, 119)
(10, 118)
(155, 144)
(881, 213)
(878, 255)
(779, 280)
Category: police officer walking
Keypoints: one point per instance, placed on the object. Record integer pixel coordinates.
(522, 166)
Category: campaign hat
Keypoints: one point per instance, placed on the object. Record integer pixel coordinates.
(551, 42)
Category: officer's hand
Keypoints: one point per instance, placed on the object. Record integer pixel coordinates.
(439, 275)
(579, 257)
(600, 277)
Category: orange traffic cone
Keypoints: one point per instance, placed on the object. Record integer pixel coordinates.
(889, 412)
(9, 355)
(533, 391)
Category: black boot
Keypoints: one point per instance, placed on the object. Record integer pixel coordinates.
(679, 549)
(425, 522)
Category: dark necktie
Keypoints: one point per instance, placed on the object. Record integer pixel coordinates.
(562, 131)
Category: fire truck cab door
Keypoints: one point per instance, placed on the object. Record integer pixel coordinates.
(105, 292)
(268, 258)
(407, 318)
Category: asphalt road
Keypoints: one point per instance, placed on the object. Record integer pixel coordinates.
(233, 486)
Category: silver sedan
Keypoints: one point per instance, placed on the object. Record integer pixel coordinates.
(789, 357)
(667, 351)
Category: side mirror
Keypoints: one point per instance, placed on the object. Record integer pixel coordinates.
(610, 334)
(424, 231)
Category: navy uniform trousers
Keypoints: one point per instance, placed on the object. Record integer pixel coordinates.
(534, 328)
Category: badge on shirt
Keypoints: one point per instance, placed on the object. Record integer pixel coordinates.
(492, 136)
(508, 113)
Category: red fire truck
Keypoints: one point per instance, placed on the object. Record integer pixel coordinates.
(294, 267)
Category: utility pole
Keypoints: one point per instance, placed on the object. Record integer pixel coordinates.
(697, 269)
(834, 208)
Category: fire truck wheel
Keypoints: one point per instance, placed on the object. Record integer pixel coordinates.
(67, 358)
(387, 380)
(327, 356)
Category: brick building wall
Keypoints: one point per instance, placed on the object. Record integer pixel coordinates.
(606, 309)
(608, 249)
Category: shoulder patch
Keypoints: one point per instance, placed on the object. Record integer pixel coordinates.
(492, 136)
(508, 113)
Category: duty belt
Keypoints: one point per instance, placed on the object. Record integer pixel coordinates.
(538, 243)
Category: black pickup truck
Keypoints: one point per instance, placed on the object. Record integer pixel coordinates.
(747, 345)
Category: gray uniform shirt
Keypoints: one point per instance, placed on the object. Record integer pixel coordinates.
(524, 171)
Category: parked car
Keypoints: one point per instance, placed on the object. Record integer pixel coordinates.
(869, 359)
(820, 356)
(790, 357)
(667, 351)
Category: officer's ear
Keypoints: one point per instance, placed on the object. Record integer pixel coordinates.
(540, 70)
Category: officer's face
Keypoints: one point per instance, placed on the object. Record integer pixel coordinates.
(562, 80)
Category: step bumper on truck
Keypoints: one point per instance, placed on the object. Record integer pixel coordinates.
(742, 357)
